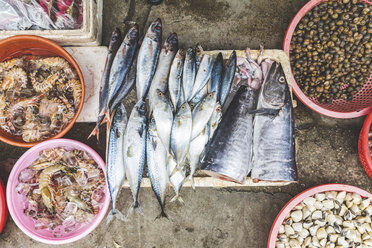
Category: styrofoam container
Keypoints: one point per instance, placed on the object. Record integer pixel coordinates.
(15, 204)
(90, 33)
(300, 197)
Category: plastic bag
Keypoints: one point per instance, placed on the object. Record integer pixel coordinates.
(40, 14)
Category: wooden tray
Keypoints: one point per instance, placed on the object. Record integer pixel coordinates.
(93, 69)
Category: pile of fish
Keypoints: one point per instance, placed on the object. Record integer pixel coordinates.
(181, 95)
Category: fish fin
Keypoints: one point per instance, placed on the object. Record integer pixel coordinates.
(177, 198)
(115, 213)
(135, 206)
(162, 215)
(95, 132)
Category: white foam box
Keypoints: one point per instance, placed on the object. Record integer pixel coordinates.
(90, 34)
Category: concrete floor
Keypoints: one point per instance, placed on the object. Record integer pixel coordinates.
(232, 217)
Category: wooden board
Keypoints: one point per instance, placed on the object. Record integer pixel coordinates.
(91, 61)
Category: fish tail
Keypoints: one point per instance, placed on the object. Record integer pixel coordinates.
(115, 213)
(192, 182)
(95, 132)
(135, 206)
(177, 198)
(162, 215)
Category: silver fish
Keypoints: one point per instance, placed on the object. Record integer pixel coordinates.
(163, 117)
(175, 80)
(227, 78)
(273, 140)
(203, 75)
(196, 149)
(200, 95)
(157, 165)
(121, 65)
(181, 133)
(115, 159)
(201, 114)
(103, 89)
(189, 73)
(228, 154)
(160, 80)
(126, 87)
(147, 58)
(215, 119)
(216, 76)
(135, 150)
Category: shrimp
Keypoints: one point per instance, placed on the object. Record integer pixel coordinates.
(80, 203)
(56, 64)
(75, 86)
(15, 78)
(9, 64)
(43, 85)
(44, 180)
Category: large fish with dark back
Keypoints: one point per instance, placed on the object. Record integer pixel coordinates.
(103, 89)
(121, 65)
(148, 58)
(274, 131)
(228, 154)
(115, 159)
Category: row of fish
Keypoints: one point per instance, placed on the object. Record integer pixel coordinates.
(177, 123)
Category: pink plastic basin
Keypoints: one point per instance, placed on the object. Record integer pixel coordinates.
(15, 206)
(300, 197)
(362, 101)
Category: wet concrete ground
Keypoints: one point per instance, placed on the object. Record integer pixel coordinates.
(231, 217)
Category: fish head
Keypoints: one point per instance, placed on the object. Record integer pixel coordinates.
(219, 58)
(171, 44)
(152, 125)
(115, 38)
(211, 98)
(181, 54)
(275, 86)
(141, 107)
(198, 50)
(184, 109)
(132, 36)
(190, 54)
(155, 30)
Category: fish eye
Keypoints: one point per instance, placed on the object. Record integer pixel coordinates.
(281, 79)
(160, 94)
(183, 107)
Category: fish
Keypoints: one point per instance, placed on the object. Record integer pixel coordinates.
(103, 89)
(227, 78)
(181, 133)
(227, 155)
(135, 150)
(216, 76)
(201, 114)
(274, 136)
(121, 65)
(163, 116)
(160, 80)
(198, 55)
(125, 88)
(196, 148)
(157, 155)
(189, 73)
(148, 58)
(175, 80)
(215, 119)
(115, 159)
(203, 75)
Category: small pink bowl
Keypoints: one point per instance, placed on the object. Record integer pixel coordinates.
(25, 223)
(300, 197)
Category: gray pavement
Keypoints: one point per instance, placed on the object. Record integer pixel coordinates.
(232, 217)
